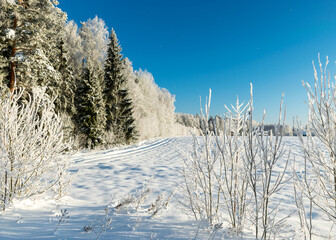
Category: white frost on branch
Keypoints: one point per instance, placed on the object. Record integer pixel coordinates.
(153, 106)
(10, 33)
(19, 57)
(11, 1)
(32, 150)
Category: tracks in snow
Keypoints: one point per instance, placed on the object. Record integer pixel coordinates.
(158, 147)
(118, 171)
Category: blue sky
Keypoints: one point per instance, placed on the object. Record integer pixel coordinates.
(191, 46)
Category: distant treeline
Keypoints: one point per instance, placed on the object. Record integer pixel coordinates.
(217, 124)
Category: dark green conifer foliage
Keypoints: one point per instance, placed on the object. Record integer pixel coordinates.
(4, 66)
(64, 89)
(126, 117)
(29, 31)
(5, 43)
(90, 104)
(118, 104)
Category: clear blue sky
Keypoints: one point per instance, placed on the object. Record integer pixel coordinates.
(191, 46)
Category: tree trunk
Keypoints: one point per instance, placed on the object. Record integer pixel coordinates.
(12, 64)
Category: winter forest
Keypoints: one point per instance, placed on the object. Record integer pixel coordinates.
(99, 97)
(91, 148)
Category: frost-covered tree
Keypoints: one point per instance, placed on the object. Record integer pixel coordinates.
(90, 116)
(166, 112)
(153, 106)
(118, 103)
(73, 46)
(94, 37)
(7, 37)
(30, 31)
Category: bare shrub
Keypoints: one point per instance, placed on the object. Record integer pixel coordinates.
(32, 158)
(224, 175)
(232, 177)
(305, 185)
(202, 190)
(264, 150)
(320, 151)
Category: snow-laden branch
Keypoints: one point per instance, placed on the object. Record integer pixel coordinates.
(32, 158)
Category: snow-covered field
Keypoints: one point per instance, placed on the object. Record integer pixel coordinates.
(105, 177)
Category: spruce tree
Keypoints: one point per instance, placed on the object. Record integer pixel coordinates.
(90, 115)
(64, 89)
(119, 113)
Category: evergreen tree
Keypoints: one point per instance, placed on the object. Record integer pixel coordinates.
(4, 62)
(118, 104)
(90, 106)
(29, 31)
(126, 119)
(64, 89)
(7, 37)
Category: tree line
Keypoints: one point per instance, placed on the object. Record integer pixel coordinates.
(95, 90)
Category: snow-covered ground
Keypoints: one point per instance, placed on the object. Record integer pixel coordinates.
(105, 177)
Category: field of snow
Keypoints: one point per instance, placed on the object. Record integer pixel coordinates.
(105, 177)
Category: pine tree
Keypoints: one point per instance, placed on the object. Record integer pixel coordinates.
(118, 104)
(7, 38)
(29, 31)
(90, 106)
(4, 62)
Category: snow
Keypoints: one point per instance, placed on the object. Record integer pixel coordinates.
(10, 34)
(105, 176)
(11, 1)
(20, 56)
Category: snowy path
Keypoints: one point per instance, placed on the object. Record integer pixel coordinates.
(119, 171)
(101, 175)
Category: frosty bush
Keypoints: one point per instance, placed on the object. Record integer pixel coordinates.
(203, 194)
(214, 175)
(322, 123)
(266, 177)
(231, 174)
(31, 147)
(233, 178)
